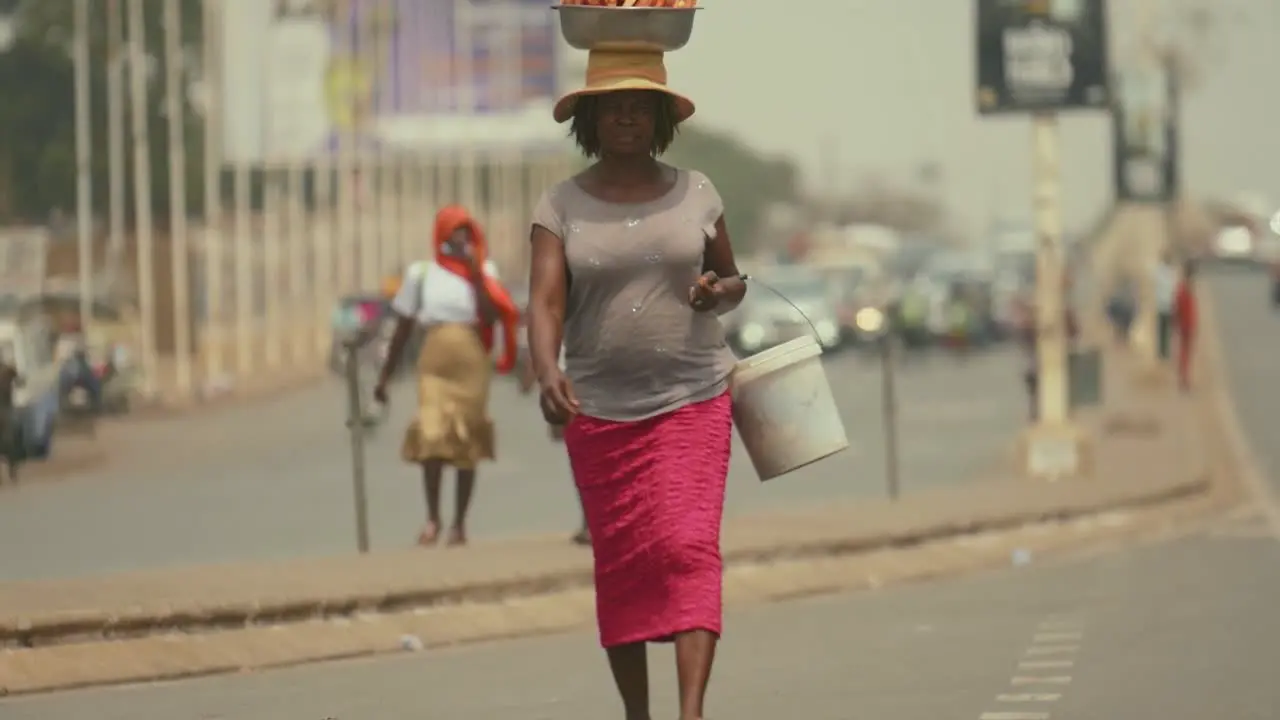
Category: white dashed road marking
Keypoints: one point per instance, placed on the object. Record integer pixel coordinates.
(1056, 637)
(1051, 645)
(1040, 650)
(1050, 680)
(1045, 664)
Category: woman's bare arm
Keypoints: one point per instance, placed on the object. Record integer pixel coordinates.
(399, 338)
(548, 284)
(719, 260)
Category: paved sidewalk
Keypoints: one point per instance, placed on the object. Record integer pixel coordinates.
(1130, 468)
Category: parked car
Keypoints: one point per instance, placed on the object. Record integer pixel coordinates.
(782, 307)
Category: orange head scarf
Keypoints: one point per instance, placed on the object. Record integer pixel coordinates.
(449, 220)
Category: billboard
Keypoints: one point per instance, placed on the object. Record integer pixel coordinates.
(300, 76)
(1041, 56)
(1145, 136)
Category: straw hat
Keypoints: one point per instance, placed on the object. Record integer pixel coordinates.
(616, 70)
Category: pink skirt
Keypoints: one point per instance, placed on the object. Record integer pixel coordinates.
(653, 494)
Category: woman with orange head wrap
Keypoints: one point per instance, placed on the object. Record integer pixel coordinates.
(457, 299)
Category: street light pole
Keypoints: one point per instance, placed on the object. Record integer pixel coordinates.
(84, 182)
(179, 249)
(1051, 335)
(213, 335)
(137, 42)
(1054, 447)
(115, 141)
(1145, 255)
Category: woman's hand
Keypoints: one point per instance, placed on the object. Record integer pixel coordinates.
(705, 294)
(380, 392)
(558, 402)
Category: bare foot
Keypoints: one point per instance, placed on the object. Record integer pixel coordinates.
(429, 535)
(457, 537)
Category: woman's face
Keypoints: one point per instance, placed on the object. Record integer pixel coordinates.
(459, 242)
(626, 122)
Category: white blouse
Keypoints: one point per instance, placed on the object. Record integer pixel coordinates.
(430, 294)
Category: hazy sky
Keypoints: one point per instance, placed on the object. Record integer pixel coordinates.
(890, 81)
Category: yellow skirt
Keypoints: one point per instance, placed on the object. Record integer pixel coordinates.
(452, 424)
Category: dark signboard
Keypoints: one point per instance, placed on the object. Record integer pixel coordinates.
(1145, 136)
(1041, 56)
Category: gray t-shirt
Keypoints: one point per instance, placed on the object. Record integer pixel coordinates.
(633, 347)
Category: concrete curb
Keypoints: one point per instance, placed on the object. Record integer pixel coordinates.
(1045, 505)
(768, 578)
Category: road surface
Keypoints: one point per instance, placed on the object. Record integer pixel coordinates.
(1250, 329)
(1182, 631)
(274, 480)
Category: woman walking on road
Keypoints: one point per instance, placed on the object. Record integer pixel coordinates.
(457, 299)
(631, 264)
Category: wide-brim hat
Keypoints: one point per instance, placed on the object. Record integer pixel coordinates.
(619, 70)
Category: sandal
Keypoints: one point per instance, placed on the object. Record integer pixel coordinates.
(429, 536)
(457, 537)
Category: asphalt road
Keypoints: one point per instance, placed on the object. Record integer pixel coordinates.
(1181, 631)
(274, 480)
(1250, 328)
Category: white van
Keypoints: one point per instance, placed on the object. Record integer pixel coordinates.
(27, 343)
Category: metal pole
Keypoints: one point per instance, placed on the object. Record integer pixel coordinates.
(324, 294)
(1051, 328)
(465, 84)
(408, 197)
(348, 231)
(272, 228)
(213, 335)
(136, 35)
(355, 423)
(179, 248)
(366, 162)
(243, 209)
(115, 140)
(1145, 255)
(889, 395)
(299, 315)
(84, 181)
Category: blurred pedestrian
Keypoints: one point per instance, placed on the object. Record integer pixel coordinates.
(1121, 308)
(457, 299)
(1165, 281)
(631, 265)
(1187, 316)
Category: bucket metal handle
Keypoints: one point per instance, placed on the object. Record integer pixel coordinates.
(813, 328)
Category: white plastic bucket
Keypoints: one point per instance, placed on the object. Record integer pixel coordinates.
(784, 409)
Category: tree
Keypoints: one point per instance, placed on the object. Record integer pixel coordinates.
(749, 182)
(35, 119)
(37, 139)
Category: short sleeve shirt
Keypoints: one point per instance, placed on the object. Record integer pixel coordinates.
(431, 294)
(633, 347)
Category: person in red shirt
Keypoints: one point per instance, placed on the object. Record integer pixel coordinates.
(1186, 315)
